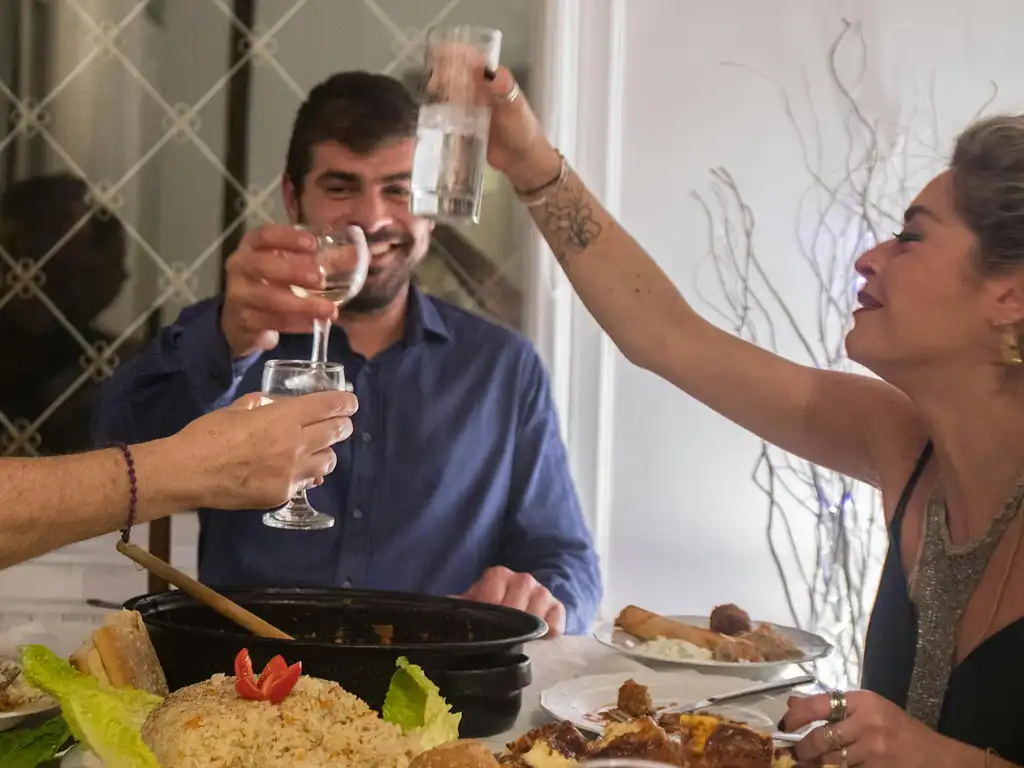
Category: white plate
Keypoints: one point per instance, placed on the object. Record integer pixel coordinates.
(813, 646)
(583, 700)
(13, 717)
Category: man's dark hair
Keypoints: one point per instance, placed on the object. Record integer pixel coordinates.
(359, 110)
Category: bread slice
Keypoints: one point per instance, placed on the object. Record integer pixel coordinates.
(120, 654)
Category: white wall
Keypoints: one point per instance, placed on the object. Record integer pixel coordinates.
(685, 525)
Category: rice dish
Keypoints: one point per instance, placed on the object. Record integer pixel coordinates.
(208, 725)
(678, 650)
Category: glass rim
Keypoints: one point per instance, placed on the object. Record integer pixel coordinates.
(305, 365)
(338, 231)
(469, 30)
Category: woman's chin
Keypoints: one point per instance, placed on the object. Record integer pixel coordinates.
(864, 350)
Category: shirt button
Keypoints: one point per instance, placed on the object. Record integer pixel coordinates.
(367, 437)
(357, 513)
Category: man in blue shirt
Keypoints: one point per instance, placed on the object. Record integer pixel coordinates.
(456, 480)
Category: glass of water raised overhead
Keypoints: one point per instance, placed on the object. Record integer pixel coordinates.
(293, 378)
(454, 120)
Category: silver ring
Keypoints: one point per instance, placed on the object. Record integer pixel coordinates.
(843, 756)
(836, 706)
(831, 734)
(511, 96)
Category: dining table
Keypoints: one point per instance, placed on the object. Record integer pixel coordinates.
(566, 658)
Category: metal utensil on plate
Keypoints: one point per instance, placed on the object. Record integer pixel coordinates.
(723, 698)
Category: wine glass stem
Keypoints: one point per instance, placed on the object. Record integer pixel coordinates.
(321, 334)
(300, 500)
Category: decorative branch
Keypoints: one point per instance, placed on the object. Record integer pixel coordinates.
(848, 207)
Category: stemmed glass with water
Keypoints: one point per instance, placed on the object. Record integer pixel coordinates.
(294, 378)
(343, 258)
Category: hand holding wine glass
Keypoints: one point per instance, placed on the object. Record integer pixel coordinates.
(283, 380)
(259, 302)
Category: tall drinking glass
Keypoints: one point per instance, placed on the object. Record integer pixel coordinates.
(293, 378)
(343, 258)
(451, 135)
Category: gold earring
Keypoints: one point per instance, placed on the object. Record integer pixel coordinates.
(1009, 345)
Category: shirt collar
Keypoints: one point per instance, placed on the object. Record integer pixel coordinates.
(422, 320)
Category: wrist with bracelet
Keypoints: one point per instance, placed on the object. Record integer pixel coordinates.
(133, 492)
(537, 196)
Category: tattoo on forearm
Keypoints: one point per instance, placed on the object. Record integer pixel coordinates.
(569, 221)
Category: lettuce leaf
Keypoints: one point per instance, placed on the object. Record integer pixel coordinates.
(107, 720)
(29, 748)
(415, 705)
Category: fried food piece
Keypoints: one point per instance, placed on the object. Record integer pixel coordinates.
(641, 739)
(646, 625)
(772, 645)
(457, 754)
(738, 649)
(709, 741)
(738, 747)
(730, 620)
(562, 737)
(635, 699)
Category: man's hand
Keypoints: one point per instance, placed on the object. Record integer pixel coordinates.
(259, 303)
(500, 586)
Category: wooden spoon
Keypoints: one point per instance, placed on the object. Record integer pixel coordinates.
(202, 593)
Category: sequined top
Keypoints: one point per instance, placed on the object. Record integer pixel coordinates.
(983, 700)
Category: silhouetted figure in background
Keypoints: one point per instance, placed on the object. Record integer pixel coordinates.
(40, 356)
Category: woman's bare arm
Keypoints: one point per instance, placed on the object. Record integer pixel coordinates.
(50, 502)
(854, 424)
(235, 458)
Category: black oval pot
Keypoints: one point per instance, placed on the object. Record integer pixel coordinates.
(472, 651)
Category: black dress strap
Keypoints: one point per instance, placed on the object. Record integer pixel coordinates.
(891, 641)
(908, 489)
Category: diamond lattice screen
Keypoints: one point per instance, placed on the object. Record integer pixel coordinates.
(113, 167)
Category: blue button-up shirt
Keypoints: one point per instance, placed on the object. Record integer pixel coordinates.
(456, 463)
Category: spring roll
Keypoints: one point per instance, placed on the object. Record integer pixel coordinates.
(647, 625)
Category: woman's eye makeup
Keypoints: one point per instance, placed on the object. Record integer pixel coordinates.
(906, 237)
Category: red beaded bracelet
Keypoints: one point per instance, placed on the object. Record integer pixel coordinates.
(133, 493)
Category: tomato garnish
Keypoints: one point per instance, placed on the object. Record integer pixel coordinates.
(243, 664)
(281, 685)
(274, 684)
(247, 689)
(274, 667)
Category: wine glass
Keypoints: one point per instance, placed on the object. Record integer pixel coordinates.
(293, 378)
(343, 258)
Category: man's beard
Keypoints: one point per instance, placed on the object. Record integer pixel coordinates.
(383, 287)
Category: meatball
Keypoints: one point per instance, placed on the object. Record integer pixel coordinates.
(635, 699)
(730, 620)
